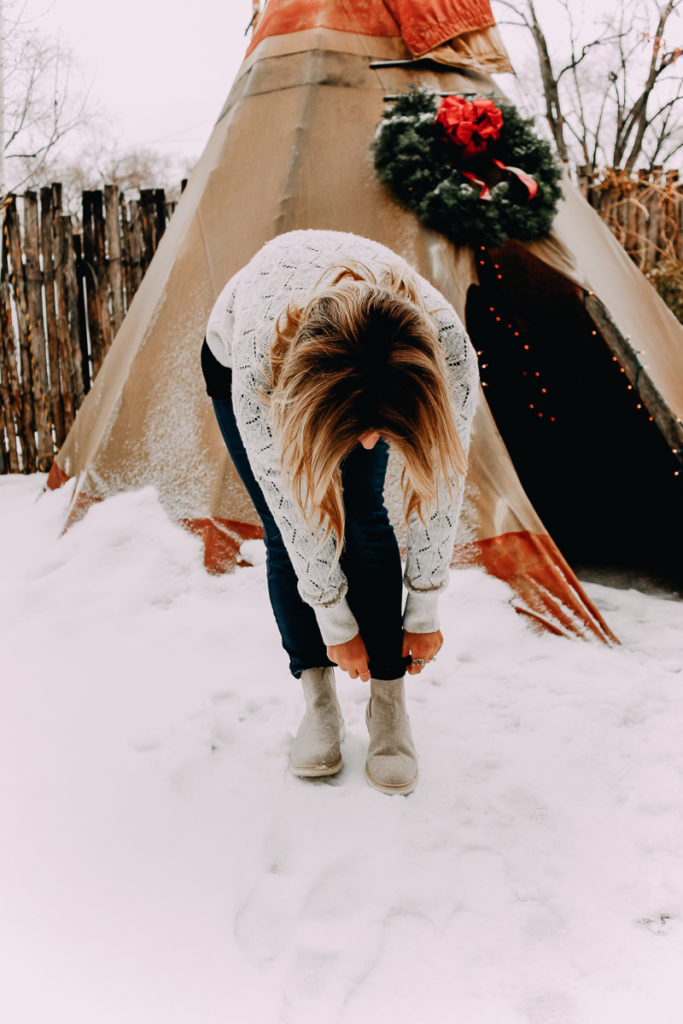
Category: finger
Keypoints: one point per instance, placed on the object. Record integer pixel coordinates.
(365, 675)
(405, 647)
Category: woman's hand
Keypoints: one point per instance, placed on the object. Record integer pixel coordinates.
(420, 648)
(351, 657)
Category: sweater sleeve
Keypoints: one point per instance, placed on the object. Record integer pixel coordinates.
(430, 544)
(219, 330)
(322, 584)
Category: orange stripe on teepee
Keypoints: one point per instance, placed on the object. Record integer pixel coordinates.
(56, 478)
(547, 591)
(222, 539)
(284, 16)
(423, 25)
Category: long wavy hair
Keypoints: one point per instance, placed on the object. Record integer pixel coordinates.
(361, 354)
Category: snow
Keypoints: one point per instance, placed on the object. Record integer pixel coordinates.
(160, 865)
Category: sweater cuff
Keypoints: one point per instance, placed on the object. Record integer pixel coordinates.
(421, 613)
(336, 621)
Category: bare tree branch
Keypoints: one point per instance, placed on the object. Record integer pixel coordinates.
(610, 96)
(41, 105)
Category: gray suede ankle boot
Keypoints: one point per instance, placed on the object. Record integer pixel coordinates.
(391, 766)
(316, 747)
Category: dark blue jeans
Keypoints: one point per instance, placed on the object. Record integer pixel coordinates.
(370, 560)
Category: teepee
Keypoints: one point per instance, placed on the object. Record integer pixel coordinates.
(291, 149)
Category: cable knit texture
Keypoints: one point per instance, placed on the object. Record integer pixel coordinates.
(239, 334)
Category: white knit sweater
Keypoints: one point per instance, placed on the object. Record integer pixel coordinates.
(239, 334)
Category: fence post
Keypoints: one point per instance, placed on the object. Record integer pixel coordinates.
(68, 321)
(68, 284)
(93, 251)
(86, 366)
(113, 238)
(10, 387)
(28, 441)
(135, 253)
(34, 298)
(47, 245)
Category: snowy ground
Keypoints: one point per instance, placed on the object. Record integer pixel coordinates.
(159, 865)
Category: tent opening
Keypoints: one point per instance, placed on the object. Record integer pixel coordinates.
(594, 465)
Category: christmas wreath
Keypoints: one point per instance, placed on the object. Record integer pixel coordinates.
(472, 170)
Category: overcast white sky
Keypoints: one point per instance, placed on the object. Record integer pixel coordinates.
(159, 72)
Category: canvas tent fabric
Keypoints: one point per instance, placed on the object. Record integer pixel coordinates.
(291, 149)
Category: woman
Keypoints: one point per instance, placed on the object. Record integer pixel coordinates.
(323, 350)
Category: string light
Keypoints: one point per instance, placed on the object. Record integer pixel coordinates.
(631, 386)
(498, 319)
(20, 299)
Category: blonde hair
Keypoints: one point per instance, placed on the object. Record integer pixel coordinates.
(361, 354)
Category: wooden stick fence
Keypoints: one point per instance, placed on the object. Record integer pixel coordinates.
(64, 291)
(645, 212)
